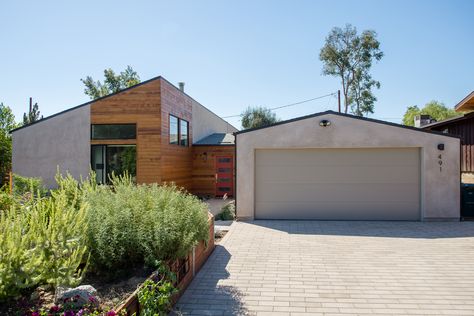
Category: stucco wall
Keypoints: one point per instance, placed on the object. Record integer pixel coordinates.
(63, 141)
(440, 190)
(206, 123)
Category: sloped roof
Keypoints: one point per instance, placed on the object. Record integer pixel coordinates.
(217, 139)
(370, 120)
(450, 120)
(466, 104)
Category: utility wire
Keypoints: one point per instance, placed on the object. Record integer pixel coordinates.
(291, 104)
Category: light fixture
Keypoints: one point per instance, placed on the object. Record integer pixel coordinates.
(440, 146)
(324, 123)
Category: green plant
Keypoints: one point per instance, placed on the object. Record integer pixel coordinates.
(155, 297)
(134, 224)
(227, 212)
(43, 241)
(25, 185)
(6, 199)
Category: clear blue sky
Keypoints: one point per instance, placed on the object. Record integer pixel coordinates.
(233, 54)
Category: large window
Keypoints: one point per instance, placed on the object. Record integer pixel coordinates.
(114, 131)
(178, 131)
(116, 159)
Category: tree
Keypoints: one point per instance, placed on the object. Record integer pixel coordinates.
(349, 56)
(435, 109)
(33, 114)
(7, 123)
(254, 117)
(112, 83)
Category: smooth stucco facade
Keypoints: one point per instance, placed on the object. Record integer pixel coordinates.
(61, 141)
(206, 123)
(439, 188)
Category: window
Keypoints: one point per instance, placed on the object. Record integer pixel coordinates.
(178, 131)
(174, 130)
(114, 131)
(117, 159)
(183, 133)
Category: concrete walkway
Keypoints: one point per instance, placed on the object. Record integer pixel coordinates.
(337, 268)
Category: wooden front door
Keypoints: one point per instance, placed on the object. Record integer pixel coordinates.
(224, 175)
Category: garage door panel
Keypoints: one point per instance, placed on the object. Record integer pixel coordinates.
(388, 192)
(373, 184)
(337, 174)
(343, 210)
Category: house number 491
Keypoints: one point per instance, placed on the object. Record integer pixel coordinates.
(440, 162)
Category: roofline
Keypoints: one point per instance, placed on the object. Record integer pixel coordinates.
(111, 95)
(463, 101)
(448, 121)
(348, 116)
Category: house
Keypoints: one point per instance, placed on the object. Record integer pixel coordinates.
(462, 126)
(152, 130)
(333, 166)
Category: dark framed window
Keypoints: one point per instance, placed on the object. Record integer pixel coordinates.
(178, 131)
(113, 131)
(174, 130)
(113, 159)
(183, 132)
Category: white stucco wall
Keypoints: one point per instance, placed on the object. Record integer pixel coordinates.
(206, 123)
(61, 141)
(440, 190)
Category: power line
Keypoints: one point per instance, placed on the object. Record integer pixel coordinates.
(291, 104)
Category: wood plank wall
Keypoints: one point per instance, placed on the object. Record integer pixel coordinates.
(140, 105)
(176, 162)
(204, 167)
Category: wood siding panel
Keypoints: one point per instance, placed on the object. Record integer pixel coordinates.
(176, 162)
(465, 130)
(204, 167)
(140, 105)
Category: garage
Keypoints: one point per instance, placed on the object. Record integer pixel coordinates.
(334, 166)
(338, 184)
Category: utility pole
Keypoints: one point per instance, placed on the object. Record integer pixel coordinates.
(339, 100)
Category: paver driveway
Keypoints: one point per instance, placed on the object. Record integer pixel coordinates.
(337, 268)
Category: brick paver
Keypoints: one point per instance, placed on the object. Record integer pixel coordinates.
(337, 268)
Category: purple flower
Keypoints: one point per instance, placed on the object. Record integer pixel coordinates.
(91, 299)
(111, 313)
(54, 309)
(68, 313)
(35, 313)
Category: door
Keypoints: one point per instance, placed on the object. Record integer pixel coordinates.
(224, 175)
(338, 184)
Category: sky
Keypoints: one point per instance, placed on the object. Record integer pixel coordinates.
(233, 54)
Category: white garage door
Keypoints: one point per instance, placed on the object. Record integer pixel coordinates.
(338, 184)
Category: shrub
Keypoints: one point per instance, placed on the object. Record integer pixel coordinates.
(24, 185)
(155, 297)
(134, 224)
(227, 212)
(6, 199)
(42, 242)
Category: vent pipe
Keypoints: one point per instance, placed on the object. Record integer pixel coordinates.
(181, 86)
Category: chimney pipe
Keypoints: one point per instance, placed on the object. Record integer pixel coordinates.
(31, 104)
(181, 86)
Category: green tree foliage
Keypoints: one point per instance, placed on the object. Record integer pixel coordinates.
(33, 114)
(112, 82)
(254, 117)
(7, 123)
(435, 109)
(349, 56)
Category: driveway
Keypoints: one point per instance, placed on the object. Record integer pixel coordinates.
(337, 268)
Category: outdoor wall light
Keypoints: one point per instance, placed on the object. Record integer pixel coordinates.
(324, 123)
(441, 146)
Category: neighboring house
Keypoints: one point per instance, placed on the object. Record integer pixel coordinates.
(152, 130)
(462, 126)
(333, 166)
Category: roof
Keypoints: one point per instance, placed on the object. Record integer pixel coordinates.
(217, 139)
(466, 104)
(450, 120)
(348, 116)
(108, 96)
